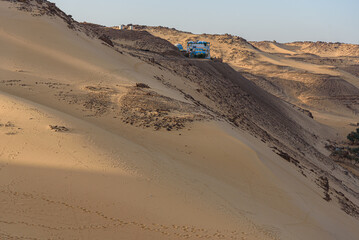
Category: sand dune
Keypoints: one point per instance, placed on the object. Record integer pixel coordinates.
(290, 71)
(196, 151)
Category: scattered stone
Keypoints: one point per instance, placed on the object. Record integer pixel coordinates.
(142, 85)
(346, 205)
(9, 124)
(106, 39)
(149, 109)
(59, 128)
(284, 155)
(324, 184)
(11, 133)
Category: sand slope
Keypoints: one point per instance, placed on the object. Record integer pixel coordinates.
(72, 168)
(320, 77)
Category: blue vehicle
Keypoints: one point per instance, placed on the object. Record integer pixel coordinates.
(199, 49)
(180, 47)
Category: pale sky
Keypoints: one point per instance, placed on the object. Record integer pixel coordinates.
(280, 20)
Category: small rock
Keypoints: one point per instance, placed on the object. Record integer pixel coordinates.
(142, 85)
(59, 128)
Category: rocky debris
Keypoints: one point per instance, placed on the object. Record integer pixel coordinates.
(140, 107)
(11, 133)
(57, 128)
(9, 128)
(53, 85)
(308, 113)
(148, 109)
(324, 184)
(11, 82)
(96, 99)
(106, 39)
(7, 125)
(142, 85)
(286, 156)
(102, 89)
(98, 102)
(346, 205)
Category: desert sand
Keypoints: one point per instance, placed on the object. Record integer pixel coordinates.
(85, 154)
(318, 76)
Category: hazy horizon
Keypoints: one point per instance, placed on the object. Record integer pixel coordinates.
(283, 21)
